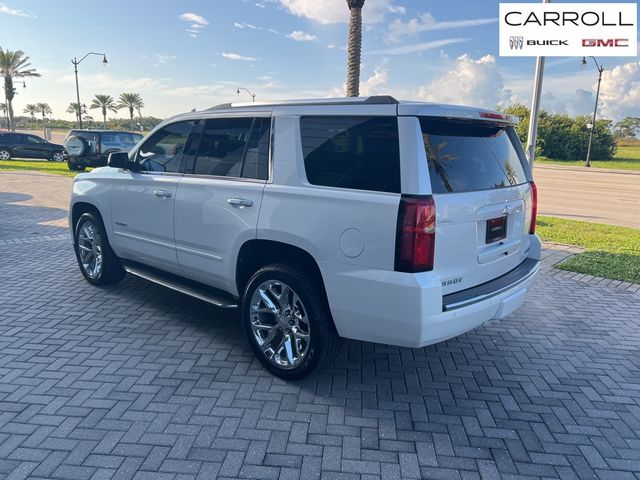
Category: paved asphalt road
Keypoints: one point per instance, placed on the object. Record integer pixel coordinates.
(135, 381)
(591, 194)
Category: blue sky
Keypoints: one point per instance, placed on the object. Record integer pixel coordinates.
(193, 54)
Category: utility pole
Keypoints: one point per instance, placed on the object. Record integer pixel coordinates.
(76, 62)
(587, 162)
(535, 108)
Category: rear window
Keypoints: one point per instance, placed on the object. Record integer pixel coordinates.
(352, 152)
(89, 136)
(464, 156)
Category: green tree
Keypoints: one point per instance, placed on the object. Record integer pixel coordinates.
(31, 109)
(13, 64)
(3, 109)
(104, 102)
(44, 109)
(131, 101)
(76, 108)
(627, 127)
(522, 112)
(355, 47)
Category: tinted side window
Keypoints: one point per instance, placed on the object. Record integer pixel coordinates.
(256, 161)
(361, 153)
(34, 140)
(222, 147)
(464, 156)
(89, 136)
(162, 152)
(108, 137)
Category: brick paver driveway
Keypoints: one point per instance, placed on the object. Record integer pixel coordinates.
(135, 381)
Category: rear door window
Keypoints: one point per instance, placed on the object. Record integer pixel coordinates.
(466, 156)
(234, 147)
(359, 153)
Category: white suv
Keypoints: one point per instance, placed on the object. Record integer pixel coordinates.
(403, 223)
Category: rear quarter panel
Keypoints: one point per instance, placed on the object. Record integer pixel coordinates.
(333, 224)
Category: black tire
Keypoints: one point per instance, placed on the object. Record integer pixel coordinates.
(111, 270)
(56, 157)
(74, 167)
(6, 153)
(323, 338)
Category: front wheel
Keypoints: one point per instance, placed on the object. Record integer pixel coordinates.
(287, 321)
(5, 154)
(97, 262)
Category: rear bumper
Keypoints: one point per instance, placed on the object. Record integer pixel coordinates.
(409, 310)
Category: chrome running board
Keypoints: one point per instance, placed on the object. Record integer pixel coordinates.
(193, 289)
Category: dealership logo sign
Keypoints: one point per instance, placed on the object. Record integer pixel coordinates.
(516, 43)
(568, 29)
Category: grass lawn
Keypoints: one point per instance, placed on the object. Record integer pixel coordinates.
(58, 168)
(612, 252)
(626, 158)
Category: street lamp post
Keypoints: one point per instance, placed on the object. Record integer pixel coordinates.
(76, 62)
(253, 95)
(587, 163)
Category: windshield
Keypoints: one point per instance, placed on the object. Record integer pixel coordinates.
(467, 156)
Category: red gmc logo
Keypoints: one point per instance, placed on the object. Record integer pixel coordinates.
(601, 42)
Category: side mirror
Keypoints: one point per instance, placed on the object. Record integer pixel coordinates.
(120, 160)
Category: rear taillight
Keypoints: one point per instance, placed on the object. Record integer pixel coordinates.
(416, 234)
(534, 208)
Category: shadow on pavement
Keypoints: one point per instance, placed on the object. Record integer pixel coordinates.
(20, 220)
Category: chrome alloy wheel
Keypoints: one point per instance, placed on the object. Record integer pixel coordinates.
(57, 157)
(5, 155)
(280, 324)
(90, 249)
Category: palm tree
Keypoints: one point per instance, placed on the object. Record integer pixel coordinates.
(3, 109)
(132, 101)
(104, 102)
(77, 110)
(31, 109)
(355, 47)
(44, 109)
(13, 65)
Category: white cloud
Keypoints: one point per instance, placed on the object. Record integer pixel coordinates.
(197, 22)
(417, 47)
(620, 92)
(468, 82)
(376, 84)
(244, 25)
(161, 59)
(426, 23)
(108, 82)
(193, 18)
(14, 11)
(300, 36)
(237, 56)
(336, 11)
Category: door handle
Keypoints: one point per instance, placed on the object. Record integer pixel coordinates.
(162, 193)
(240, 202)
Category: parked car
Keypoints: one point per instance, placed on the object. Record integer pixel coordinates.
(27, 145)
(403, 223)
(91, 148)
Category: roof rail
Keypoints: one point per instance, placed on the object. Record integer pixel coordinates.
(372, 100)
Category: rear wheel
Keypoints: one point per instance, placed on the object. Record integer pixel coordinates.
(57, 157)
(5, 154)
(97, 262)
(75, 167)
(287, 321)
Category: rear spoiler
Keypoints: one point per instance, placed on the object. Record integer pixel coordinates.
(454, 112)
